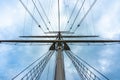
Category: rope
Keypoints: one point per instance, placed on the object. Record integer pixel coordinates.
(45, 13)
(29, 12)
(90, 65)
(40, 15)
(72, 13)
(77, 15)
(85, 15)
(31, 15)
(29, 66)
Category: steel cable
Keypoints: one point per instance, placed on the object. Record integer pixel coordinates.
(85, 16)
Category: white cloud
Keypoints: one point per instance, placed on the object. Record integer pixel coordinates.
(4, 55)
(11, 17)
(104, 65)
(106, 59)
(6, 19)
(108, 25)
(11, 14)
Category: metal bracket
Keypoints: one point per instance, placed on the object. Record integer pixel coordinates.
(52, 47)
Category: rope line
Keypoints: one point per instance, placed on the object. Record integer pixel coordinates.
(31, 15)
(82, 70)
(85, 15)
(90, 66)
(45, 13)
(40, 15)
(29, 66)
(77, 15)
(72, 13)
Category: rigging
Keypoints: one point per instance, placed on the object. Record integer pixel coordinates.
(71, 13)
(40, 15)
(59, 44)
(32, 16)
(77, 15)
(85, 16)
(45, 13)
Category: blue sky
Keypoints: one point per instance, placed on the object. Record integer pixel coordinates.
(105, 22)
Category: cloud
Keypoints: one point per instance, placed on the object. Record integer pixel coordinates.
(106, 59)
(11, 17)
(9, 14)
(108, 25)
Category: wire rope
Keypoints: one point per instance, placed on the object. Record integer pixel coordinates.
(45, 13)
(32, 16)
(77, 15)
(29, 66)
(40, 15)
(89, 65)
(72, 13)
(85, 15)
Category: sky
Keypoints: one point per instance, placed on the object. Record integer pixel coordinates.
(103, 20)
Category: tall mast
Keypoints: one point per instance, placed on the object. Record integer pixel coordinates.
(59, 69)
(59, 45)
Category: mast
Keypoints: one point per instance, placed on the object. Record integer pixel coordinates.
(59, 69)
(59, 45)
